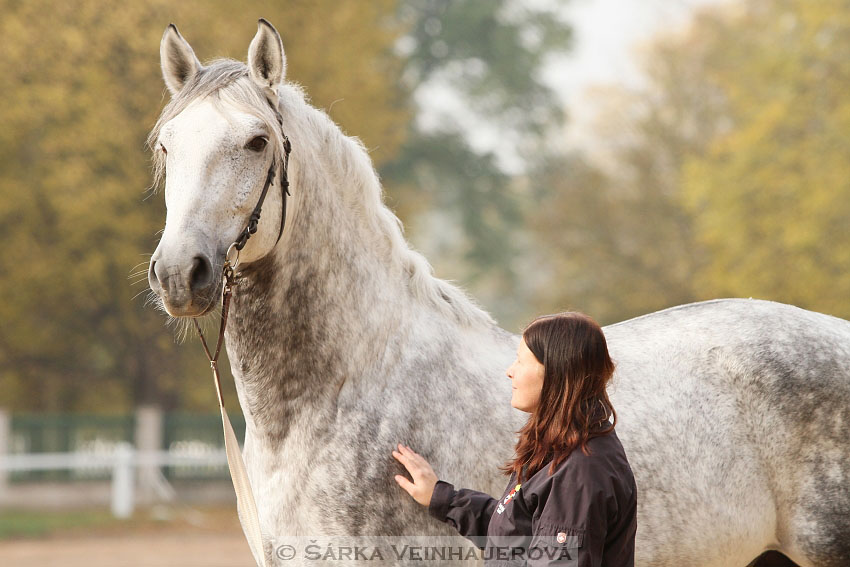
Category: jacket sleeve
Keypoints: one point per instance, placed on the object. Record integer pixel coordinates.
(466, 510)
(571, 526)
(621, 536)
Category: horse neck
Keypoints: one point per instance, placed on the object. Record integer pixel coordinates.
(317, 313)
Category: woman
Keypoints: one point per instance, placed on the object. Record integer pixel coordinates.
(571, 498)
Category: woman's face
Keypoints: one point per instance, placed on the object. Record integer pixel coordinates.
(526, 374)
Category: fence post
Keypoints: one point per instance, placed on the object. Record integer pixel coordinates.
(148, 437)
(122, 481)
(5, 446)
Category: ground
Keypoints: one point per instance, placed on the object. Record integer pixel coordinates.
(163, 536)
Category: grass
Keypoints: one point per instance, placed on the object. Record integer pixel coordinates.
(30, 524)
(17, 524)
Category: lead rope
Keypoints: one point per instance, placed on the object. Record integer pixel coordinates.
(238, 474)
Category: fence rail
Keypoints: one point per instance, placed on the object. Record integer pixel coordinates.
(97, 437)
(121, 464)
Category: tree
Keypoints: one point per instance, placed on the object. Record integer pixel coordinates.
(457, 197)
(726, 175)
(771, 197)
(81, 88)
(611, 227)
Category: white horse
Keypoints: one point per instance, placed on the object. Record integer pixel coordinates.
(733, 412)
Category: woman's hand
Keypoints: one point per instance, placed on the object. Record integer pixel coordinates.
(423, 475)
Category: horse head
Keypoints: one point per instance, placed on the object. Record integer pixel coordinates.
(214, 144)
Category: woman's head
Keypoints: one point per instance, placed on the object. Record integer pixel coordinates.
(526, 374)
(560, 377)
(561, 358)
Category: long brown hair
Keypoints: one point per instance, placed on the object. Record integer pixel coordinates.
(573, 401)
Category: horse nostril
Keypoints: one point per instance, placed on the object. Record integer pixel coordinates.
(201, 274)
(153, 280)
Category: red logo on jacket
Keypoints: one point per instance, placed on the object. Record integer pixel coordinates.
(508, 498)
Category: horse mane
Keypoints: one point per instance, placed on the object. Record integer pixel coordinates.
(227, 79)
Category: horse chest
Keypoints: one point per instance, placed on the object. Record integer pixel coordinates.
(292, 494)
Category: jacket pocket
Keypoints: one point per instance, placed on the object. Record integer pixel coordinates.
(554, 544)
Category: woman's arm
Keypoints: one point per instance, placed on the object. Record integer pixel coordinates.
(466, 510)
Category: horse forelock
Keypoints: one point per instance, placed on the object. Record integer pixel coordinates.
(222, 81)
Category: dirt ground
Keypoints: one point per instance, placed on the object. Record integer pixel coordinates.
(145, 550)
(188, 537)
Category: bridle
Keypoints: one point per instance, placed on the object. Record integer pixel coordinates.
(238, 473)
(254, 219)
(229, 275)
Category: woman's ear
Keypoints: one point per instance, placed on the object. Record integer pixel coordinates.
(266, 60)
(177, 60)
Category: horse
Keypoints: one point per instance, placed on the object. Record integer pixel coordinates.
(342, 343)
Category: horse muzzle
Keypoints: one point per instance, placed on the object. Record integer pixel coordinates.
(188, 288)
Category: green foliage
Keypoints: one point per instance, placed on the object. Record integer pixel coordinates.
(491, 53)
(15, 524)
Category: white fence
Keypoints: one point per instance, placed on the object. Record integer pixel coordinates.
(124, 462)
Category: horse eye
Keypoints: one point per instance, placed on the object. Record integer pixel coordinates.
(258, 144)
(162, 147)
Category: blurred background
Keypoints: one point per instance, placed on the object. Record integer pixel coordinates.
(615, 157)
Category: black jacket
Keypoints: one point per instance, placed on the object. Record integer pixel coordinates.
(584, 515)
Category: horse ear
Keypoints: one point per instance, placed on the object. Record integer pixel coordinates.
(177, 60)
(266, 61)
